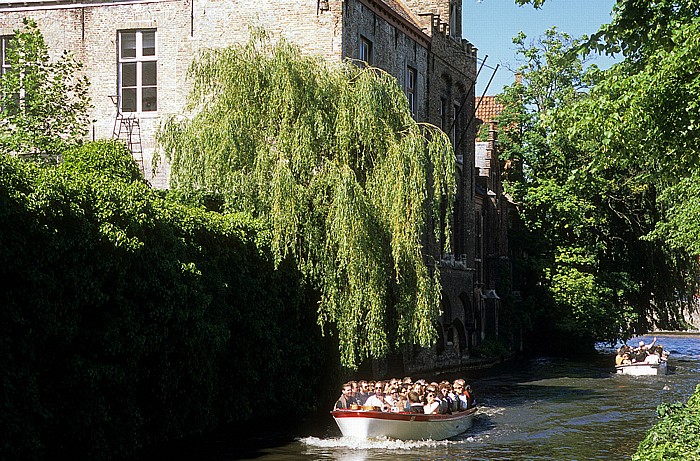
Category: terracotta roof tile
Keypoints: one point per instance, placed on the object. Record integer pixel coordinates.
(488, 109)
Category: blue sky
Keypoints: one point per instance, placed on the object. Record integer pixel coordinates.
(491, 24)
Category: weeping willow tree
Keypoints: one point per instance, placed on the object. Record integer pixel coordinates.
(330, 159)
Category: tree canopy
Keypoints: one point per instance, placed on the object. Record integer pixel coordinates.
(45, 104)
(605, 173)
(329, 157)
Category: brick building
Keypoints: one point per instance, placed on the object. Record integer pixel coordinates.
(490, 208)
(137, 53)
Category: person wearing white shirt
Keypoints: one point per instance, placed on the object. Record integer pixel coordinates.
(377, 399)
(433, 404)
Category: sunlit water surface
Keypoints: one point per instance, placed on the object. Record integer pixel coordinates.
(537, 409)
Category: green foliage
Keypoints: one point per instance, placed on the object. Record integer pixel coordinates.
(331, 161)
(130, 320)
(45, 105)
(640, 25)
(534, 3)
(676, 437)
(493, 347)
(640, 127)
(558, 203)
(582, 145)
(482, 133)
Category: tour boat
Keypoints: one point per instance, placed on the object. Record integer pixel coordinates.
(370, 424)
(643, 368)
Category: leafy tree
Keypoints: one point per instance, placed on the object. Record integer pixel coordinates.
(633, 137)
(44, 107)
(641, 25)
(644, 116)
(571, 243)
(535, 3)
(331, 159)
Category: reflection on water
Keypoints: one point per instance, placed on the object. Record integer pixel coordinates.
(538, 409)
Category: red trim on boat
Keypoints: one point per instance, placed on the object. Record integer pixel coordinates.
(399, 416)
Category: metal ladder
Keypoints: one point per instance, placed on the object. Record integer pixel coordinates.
(128, 129)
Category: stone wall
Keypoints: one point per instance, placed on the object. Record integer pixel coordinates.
(393, 50)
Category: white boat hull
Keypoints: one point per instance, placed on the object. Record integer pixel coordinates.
(642, 369)
(403, 426)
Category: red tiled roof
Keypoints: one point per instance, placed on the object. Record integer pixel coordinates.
(488, 109)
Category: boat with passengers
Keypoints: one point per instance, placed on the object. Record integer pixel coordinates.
(402, 409)
(370, 424)
(645, 360)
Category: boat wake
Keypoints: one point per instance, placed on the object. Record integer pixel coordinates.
(372, 444)
(490, 411)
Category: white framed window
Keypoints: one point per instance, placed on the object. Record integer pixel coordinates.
(366, 50)
(411, 75)
(4, 42)
(138, 71)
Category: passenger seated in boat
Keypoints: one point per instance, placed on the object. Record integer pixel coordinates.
(446, 400)
(433, 405)
(403, 397)
(626, 358)
(471, 401)
(363, 395)
(641, 352)
(652, 359)
(620, 356)
(354, 389)
(414, 402)
(418, 388)
(377, 399)
(392, 395)
(401, 405)
(659, 350)
(345, 400)
(463, 400)
(638, 354)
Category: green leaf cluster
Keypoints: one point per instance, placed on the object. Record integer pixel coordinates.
(676, 437)
(44, 103)
(129, 318)
(330, 160)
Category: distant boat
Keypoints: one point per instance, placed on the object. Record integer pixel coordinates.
(643, 369)
(364, 424)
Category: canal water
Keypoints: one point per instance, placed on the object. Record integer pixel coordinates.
(537, 409)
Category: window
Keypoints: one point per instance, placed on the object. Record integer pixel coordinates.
(4, 43)
(365, 50)
(138, 66)
(411, 89)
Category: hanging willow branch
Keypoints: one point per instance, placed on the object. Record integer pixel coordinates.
(330, 157)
